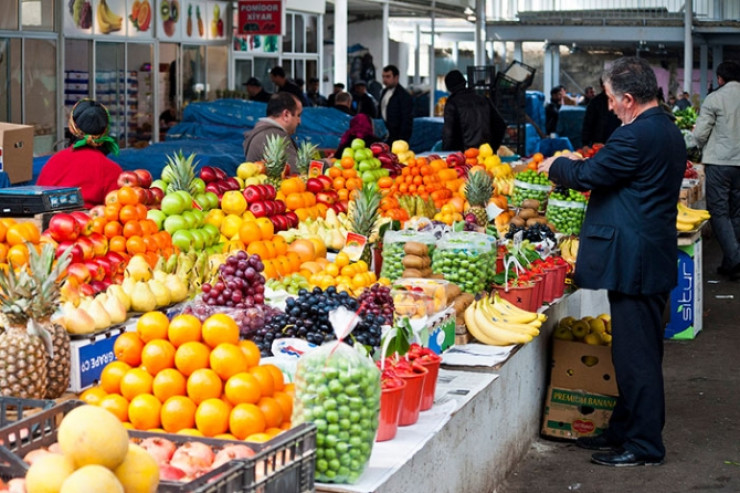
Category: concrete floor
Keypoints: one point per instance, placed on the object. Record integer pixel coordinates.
(702, 433)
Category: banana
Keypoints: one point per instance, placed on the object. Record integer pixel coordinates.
(497, 332)
(689, 212)
(508, 318)
(530, 329)
(103, 24)
(476, 332)
(505, 306)
(114, 20)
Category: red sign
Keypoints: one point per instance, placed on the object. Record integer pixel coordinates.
(260, 16)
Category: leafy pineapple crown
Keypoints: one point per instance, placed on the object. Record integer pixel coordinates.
(364, 210)
(274, 155)
(46, 278)
(306, 153)
(179, 172)
(479, 188)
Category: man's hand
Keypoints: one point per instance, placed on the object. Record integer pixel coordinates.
(544, 166)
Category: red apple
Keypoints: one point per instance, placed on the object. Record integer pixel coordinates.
(142, 194)
(106, 265)
(328, 183)
(270, 207)
(252, 193)
(88, 248)
(80, 272)
(258, 209)
(232, 183)
(214, 187)
(76, 254)
(220, 174)
(270, 192)
(282, 222)
(63, 227)
(279, 206)
(157, 194)
(293, 218)
(100, 244)
(314, 185)
(145, 177)
(275, 223)
(99, 286)
(326, 198)
(97, 211)
(84, 220)
(96, 271)
(207, 174)
(128, 178)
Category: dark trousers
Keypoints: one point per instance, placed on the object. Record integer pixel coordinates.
(723, 202)
(637, 352)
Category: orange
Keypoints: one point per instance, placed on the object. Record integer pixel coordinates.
(294, 261)
(260, 249)
(227, 360)
(265, 379)
(141, 211)
(347, 162)
(192, 356)
(110, 377)
(249, 232)
(17, 234)
(272, 410)
(281, 247)
(93, 395)
(18, 255)
(144, 411)
(135, 244)
(334, 172)
(131, 228)
(3, 251)
(191, 432)
(136, 381)
(286, 403)
(152, 325)
(251, 351)
(220, 328)
(277, 375)
(110, 212)
(169, 382)
(338, 183)
(204, 384)
(286, 425)
(243, 388)
(270, 272)
(349, 173)
(158, 355)
(3, 231)
(128, 213)
(294, 201)
(258, 438)
(212, 417)
(177, 413)
(304, 248)
(117, 244)
(127, 348)
(246, 419)
(116, 404)
(183, 328)
(289, 389)
(267, 229)
(127, 195)
(273, 432)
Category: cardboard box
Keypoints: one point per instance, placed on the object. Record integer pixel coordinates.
(575, 413)
(576, 365)
(91, 354)
(687, 297)
(16, 152)
(442, 333)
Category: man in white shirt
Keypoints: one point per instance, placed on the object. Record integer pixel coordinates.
(396, 106)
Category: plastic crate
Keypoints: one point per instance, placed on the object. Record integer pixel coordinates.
(14, 409)
(294, 453)
(516, 75)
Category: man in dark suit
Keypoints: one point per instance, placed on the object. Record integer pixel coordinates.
(599, 121)
(255, 91)
(628, 247)
(277, 75)
(396, 106)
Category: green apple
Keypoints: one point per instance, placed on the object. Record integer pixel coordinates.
(187, 199)
(175, 223)
(357, 144)
(157, 216)
(198, 185)
(367, 176)
(203, 201)
(212, 231)
(359, 155)
(161, 184)
(365, 165)
(172, 204)
(199, 217)
(190, 219)
(213, 200)
(199, 239)
(182, 239)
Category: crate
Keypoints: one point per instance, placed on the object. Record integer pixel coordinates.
(517, 75)
(284, 464)
(481, 79)
(14, 409)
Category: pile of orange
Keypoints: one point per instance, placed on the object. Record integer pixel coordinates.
(345, 178)
(390, 207)
(341, 273)
(297, 199)
(425, 179)
(451, 211)
(124, 222)
(184, 376)
(13, 238)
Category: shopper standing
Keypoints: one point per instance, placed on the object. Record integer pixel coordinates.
(717, 132)
(469, 118)
(552, 110)
(277, 75)
(628, 247)
(599, 121)
(283, 115)
(396, 106)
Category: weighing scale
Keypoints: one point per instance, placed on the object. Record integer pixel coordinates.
(32, 200)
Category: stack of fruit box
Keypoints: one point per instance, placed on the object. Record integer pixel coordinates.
(582, 391)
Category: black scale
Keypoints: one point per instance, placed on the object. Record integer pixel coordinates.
(31, 200)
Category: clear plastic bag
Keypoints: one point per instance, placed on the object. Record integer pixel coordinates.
(566, 215)
(524, 190)
(465, 263)
(393, 250)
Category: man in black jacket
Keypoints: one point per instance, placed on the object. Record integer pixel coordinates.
(255, 91)
(396, 107)
(599, 121)
(277, 75)
(470, 119)
(365, 102)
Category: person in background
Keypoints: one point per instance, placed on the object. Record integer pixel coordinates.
(396, 106)
(255, 91)
(552, 110)
(312, 93)
(469, 118)
(588, 95)
(338, 87)
(717, 133)
(628, 247)
(283, 117)
(343, 103)
(84, 163)
(599, 121)
(671, 100)
(277, 75)
(167, 119)
(366, 104)
(360, 127)
(683, 101)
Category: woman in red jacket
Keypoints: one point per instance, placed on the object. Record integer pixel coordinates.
(84, 164)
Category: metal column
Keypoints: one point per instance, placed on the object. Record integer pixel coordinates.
(340, 41)
(432, 70)
(480, 32)
(384, 59)
(703, 61)
(688, 47)
(417, 54)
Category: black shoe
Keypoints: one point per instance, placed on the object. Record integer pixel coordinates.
(598, 442)
(624, 458)
(734, 273)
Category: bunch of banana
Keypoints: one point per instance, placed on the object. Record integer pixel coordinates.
(690, 219)
(569, 249)
(503, 185)
(416, 206)
(500, 323)
(108, 21)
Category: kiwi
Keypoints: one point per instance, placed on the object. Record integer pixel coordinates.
(536, 220)
(531, 204)
(517, 221)
(174, 10)
(164, 11)
(527, 213)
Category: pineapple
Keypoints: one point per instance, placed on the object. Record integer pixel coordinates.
(274, 158)
(179, 173)
(363, 216)
(478, 191)
(306, 153)
(23, 355)
(45, 302)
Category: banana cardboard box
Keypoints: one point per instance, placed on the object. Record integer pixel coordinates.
(581, 366)
(570, 414)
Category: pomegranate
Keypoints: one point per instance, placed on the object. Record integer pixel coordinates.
(159, 448)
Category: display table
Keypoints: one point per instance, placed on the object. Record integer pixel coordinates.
(489, 433)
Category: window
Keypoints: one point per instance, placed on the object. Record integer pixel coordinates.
(37, 15)
(301, 33)
(9, 15)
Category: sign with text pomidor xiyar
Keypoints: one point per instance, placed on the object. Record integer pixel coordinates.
(260, 17)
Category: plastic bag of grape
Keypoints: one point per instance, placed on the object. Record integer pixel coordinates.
(337, 388)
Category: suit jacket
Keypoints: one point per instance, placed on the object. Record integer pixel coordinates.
(471, 120)
(599, 121)
(628, 238)
(399, 114)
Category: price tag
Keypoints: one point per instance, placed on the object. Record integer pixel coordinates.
(315, 169)
(354, 245)
(492, 211)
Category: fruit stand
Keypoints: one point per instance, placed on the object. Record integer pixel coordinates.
(265, 329)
